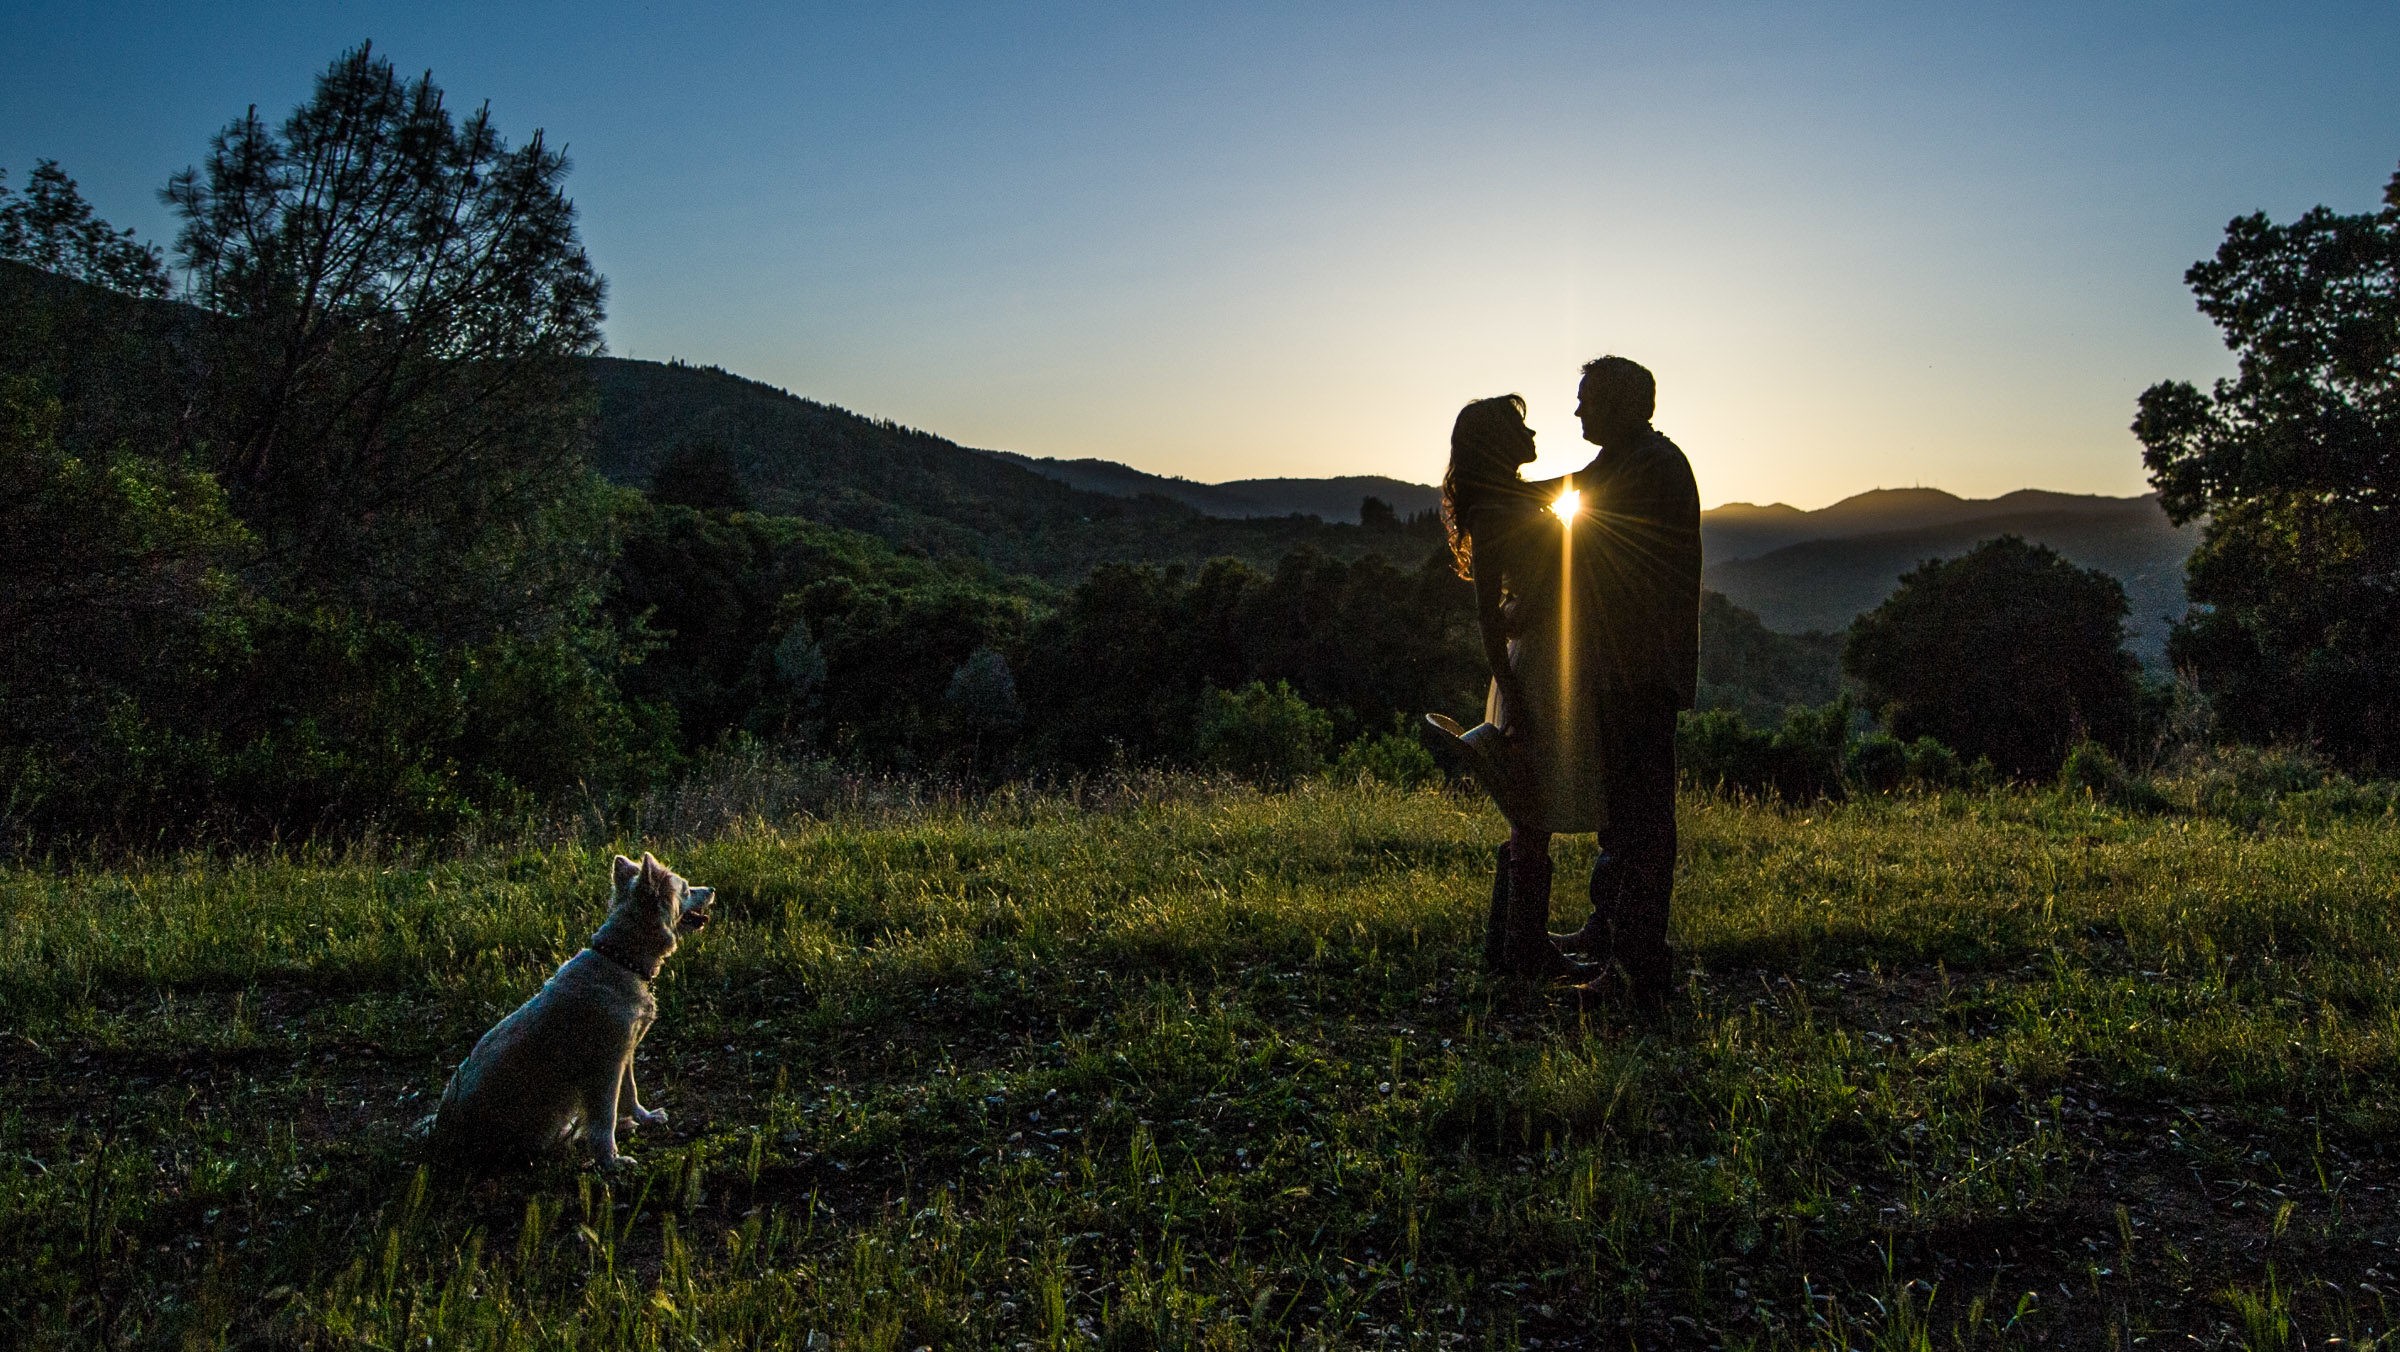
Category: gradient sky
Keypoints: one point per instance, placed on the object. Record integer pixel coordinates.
(1862, 246)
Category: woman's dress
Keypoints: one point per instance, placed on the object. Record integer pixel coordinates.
(1556, 764)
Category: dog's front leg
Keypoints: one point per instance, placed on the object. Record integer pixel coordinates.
(601, 1114)
(635, 1114)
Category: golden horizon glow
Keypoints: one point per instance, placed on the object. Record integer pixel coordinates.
(1567, 505)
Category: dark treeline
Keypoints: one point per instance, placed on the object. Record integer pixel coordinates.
(817, 638)
(775, 452)
(361, 527)
(322, 540)
(787, 631)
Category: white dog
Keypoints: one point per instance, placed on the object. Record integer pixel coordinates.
(564, 1061)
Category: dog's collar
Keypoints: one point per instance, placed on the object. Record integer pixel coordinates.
(604, 948)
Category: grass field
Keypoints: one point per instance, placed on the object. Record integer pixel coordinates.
(1211, 1069)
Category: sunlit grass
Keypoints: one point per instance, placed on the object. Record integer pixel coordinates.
(1218, 1070)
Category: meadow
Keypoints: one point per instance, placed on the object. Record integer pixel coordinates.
(1183, 1065)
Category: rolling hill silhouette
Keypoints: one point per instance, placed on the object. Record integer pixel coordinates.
(1799, 571)
(1802, 571)
(1333, 499)
(925, 492)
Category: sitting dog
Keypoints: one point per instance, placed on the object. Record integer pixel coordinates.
(564, 1061)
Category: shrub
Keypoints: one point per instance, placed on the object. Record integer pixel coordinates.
(1815, 754)
(1264, 733)
(2008, 651)
(2248, 785)
(1811, 750)
(2090, 768)
(1393, 758)
(1809, 757)
(1719, 751)
(1879, 762)
(1931, 765)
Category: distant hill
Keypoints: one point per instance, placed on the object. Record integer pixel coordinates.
(1739, 530)
(1334, 499)
(1799, 571)
(929, 494)
(1124, 481)
(1337, 498)
(1822, 583)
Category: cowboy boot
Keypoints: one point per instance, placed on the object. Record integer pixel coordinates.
(1495, 929)
(1596, 939)
(1529, 951)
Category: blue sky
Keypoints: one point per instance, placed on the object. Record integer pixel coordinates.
(1861, 245)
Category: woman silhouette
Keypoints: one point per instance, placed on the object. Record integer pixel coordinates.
(1536, 753)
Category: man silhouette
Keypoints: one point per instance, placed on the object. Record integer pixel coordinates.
(1643, 578)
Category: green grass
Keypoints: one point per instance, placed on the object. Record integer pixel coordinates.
(1218, 1070)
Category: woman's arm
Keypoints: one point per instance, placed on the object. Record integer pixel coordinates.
(1492, 619)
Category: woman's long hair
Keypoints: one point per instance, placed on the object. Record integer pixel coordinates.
(1487, 432)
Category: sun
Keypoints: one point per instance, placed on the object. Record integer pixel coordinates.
(1569, 503)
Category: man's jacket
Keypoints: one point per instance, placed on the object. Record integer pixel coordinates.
(1638, 551)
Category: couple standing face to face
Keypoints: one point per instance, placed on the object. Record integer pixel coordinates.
(1490, 443)
(1593, 647)
(1610, 411)
(1613, 402)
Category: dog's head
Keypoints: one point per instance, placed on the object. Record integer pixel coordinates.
(653, 905)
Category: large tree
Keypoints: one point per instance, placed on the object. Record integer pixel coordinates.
(2007, 651)
(2295, 463)
(52, 228)
(320, 545)
(394, 404)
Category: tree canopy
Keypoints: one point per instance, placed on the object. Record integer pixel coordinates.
(393, 403)
(2008, 651)
(52, 228)
(2295, 464)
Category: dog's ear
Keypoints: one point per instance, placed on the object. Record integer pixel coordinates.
(622, 870)
(658, 887)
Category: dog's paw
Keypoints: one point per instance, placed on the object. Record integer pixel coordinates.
(618, 1164)
(650, 1117)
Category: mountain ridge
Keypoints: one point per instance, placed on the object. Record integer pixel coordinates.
(1799, 570)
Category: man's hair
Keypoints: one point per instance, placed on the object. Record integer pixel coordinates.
(1623, 382)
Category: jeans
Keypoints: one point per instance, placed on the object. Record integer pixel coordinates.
(1635, 878)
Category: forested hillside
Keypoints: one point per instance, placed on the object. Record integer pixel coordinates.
(1335, 499)
(921, 491)
(769, 567)
(1823, 583)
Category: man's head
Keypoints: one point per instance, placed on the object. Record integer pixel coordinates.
(1615, 399)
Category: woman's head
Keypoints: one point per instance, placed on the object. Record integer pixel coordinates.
(1487, 444)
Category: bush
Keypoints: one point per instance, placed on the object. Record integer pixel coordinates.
(1813, 755)
(1931, 765)
(1393, 758)
(1719, 751)
(1811, 750)
(1264, 733)
(2008, 651)
(1879, 762)
(2248, 785)
(2090, 768)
